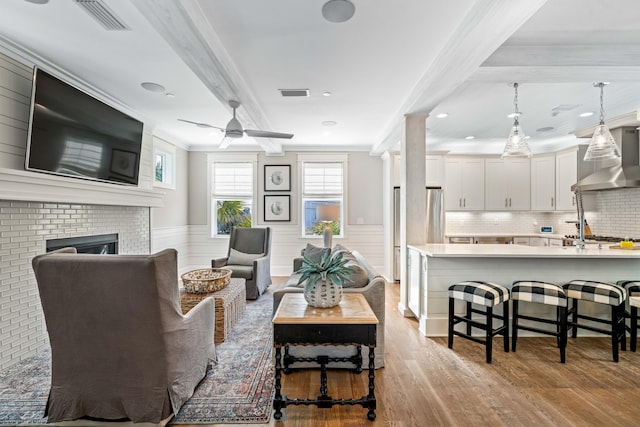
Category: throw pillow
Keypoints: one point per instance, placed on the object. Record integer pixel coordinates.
(314, 253)
(359, 278)
(241, 258)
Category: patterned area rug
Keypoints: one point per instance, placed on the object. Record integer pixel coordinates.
(239, 388)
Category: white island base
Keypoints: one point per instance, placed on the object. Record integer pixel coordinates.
(435, 267)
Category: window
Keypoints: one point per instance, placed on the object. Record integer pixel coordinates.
(232, 196)
(322, 185)
(163, 171)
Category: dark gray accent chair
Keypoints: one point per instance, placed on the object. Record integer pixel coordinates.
(120, 346)
(249, 258)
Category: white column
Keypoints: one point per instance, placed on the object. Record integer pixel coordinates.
(413, 206)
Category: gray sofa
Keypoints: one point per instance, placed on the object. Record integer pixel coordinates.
(373, 291)
(120, 346)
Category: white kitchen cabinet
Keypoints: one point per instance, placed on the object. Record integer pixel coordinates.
(523, 241)
(543, 183)
(434, 168)
(555, 242)
(538, 241)
(464, 184)
(507, 184)
(434, 171)
(566, 176)
(414, 267)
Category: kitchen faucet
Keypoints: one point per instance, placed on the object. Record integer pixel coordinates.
(581, 220)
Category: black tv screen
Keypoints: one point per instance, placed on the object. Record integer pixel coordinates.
(73, 134)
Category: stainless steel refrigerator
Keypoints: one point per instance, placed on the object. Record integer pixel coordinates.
(435, 222)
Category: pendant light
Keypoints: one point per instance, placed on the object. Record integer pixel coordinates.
(602, 145)
(516, 145)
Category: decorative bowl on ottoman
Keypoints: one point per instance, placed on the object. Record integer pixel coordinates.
(206, 280)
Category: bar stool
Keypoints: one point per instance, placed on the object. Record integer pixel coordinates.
(601, 293)
(634, 303)
(488, 295)
(633, 290)
(541, 293)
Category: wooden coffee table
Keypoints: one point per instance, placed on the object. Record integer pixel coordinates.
(352, 322)
(230, 303)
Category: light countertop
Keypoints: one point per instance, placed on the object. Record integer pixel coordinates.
(547, 235)
(517, 251)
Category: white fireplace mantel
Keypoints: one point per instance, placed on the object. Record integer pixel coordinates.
(39, 187)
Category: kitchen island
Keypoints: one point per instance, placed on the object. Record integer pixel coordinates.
(432, 268)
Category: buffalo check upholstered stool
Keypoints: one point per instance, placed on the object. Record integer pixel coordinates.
(541, 293)
(485, 294)
(601, 293)
(633, 291)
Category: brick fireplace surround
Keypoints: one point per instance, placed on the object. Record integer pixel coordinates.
(24, 229)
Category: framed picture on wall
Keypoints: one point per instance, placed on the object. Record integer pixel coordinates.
(277, 178)
(277, 208)
(124, 162)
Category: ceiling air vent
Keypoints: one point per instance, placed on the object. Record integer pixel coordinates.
(294, 92)
(101, 13)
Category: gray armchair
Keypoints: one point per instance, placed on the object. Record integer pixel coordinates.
(249, 258)
(120, 346)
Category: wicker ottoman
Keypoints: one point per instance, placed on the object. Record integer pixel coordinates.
(229, 302)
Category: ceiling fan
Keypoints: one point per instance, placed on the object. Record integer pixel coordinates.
(234, 129)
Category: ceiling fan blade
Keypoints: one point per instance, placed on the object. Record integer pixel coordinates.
(224, 143)
(267, 134)
(201, 125)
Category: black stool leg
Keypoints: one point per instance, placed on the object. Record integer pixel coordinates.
(634, 327)
(505, 321)
(468, 316)
(562, 314)
(489, 333)
(451, 314)
(615, 335)
(574, 318)
(514, 332)
(622, 327)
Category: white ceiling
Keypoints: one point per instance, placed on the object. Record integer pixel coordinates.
(390, 59)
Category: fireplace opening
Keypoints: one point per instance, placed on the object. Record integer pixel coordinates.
(98, 244)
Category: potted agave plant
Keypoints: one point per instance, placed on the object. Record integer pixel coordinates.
(323, 281)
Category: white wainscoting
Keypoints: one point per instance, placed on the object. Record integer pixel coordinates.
(173, 238)
(286, 244)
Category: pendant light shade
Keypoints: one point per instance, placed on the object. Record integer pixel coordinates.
(602, 145)
(516, 145)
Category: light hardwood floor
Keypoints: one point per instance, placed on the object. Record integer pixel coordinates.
(426, 384)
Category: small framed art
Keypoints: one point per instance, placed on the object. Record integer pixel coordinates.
(277, 177)
(277, 208)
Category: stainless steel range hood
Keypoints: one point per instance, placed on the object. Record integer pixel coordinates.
(624, 173)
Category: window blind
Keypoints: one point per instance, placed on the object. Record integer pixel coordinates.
(322, 179)
(232, 179)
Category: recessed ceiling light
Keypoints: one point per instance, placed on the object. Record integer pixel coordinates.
(586, 114)
(545, 129)
(326, 93)
(469, 137)
(153, 87)
(527, 136)
(329, 123)
(512, 115)
(169, 95)
(38, 1)
(442, 115)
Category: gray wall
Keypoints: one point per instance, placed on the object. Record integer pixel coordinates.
(364, 191)
(198, 188)
(176, 202)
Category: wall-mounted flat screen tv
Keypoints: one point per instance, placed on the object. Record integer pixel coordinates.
(73, 134)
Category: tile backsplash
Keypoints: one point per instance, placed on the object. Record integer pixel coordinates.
(611, 213)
